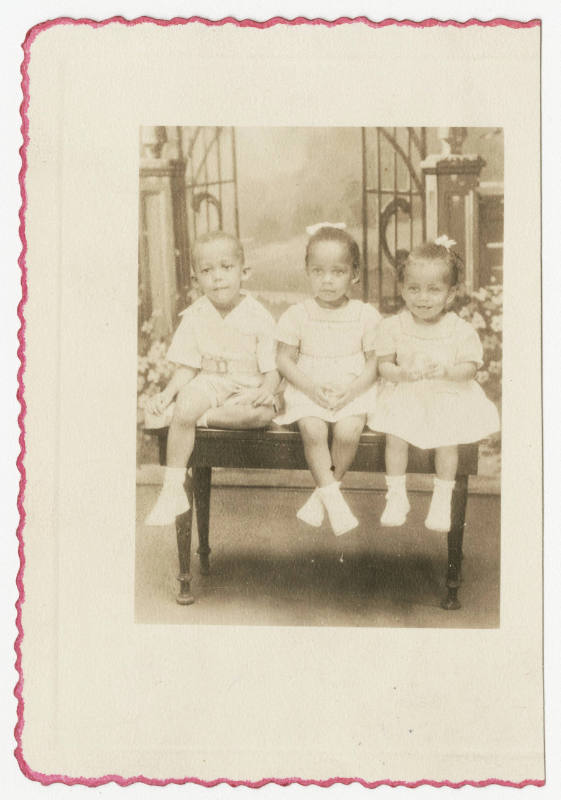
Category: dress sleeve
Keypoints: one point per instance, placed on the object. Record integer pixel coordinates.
(469, 346)
(289, 326)
(266, 344)
(370, 321)
(386, 341)
(183, 348)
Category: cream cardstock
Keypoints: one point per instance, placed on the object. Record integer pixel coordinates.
(105, 695)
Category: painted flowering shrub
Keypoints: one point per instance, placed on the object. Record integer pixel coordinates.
(484, 309)
(153, 371)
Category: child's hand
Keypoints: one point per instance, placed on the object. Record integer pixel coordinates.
(323, 396)
(410, 375)
(435, 371)
(158, 403)
(343, 398)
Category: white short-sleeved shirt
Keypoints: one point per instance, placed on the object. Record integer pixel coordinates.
(247, 332)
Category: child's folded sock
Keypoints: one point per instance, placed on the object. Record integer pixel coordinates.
(172, 499)
(439, 516)
(340, 515)
(312, 512)
(397, 504)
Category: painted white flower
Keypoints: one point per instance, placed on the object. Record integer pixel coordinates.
(497, 323)
(478, 322)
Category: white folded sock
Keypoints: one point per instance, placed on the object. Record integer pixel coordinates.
(397, 504)
(340, 515)
(439, 517)
(172, 500)
(312, 512)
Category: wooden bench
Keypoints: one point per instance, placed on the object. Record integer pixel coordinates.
(281, 448)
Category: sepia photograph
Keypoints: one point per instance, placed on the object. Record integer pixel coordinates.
(282, 510)
(319, 376)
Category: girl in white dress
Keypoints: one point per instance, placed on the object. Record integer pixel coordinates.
(326, 353)
(428, 357)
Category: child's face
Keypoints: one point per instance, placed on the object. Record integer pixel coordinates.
(219, 272)
(331, 273)
(426, 289)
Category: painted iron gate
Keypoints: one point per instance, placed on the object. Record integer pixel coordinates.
(393, 207)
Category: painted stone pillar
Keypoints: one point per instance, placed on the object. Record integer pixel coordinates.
(163, 245)
(451, 179)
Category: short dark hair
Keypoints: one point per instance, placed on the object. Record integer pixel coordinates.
(330, 234)
(430, 251)
(215, 236)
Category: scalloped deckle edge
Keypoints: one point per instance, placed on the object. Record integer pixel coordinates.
(18, 690)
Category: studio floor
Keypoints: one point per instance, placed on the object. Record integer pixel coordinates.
(267, 568)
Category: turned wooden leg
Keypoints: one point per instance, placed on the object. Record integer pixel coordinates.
(455, 542)
(202, 477)
(183, 528)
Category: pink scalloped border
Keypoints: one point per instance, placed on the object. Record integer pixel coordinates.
(18, 690)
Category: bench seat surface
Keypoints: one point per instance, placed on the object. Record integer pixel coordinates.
(281, 448)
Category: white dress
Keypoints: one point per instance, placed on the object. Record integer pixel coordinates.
(432, 413)
(332, 343)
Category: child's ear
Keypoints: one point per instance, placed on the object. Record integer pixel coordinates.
(246, 272)
(194, 279)
(356, 277)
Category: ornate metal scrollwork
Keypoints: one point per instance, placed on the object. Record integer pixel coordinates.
(206, 197)
(391, 209)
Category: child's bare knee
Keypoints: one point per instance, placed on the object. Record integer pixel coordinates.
(313, 436)
(184, 413)
(349, 434)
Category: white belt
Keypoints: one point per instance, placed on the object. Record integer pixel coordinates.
(224, 366)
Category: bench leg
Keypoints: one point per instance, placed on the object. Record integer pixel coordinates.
(202, 477)
(183, 528)
(455, 542)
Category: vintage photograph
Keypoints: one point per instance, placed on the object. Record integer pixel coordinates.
(319, 376)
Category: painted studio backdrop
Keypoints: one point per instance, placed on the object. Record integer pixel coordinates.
(392, 187)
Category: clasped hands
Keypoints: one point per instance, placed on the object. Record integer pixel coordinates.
(430, 370)
(331, 397)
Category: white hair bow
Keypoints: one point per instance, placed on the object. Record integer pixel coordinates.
(311, 229)
(445, 241)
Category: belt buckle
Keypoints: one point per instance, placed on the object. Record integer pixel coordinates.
(221, 366)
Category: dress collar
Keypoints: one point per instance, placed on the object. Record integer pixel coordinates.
(347, 312)
(439, 330)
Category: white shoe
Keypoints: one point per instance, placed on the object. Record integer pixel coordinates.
(172, 502)
(312, 512)
(340, 515)
(396, 510)
(439, 517)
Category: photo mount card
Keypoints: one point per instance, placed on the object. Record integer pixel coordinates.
(300, 655)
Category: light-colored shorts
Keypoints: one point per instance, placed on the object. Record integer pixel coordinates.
(217, 388)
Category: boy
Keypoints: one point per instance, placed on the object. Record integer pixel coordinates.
(226, 375)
